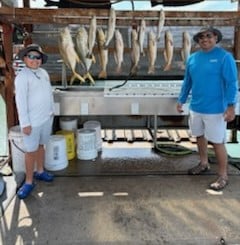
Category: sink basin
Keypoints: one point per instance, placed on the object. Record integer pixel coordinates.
(80, 88)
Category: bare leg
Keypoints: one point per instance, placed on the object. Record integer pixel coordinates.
(41, 174)
(202, 149)
(40, 158)
(203, 166)
(28, 186)
(30, 158)
(222, 159)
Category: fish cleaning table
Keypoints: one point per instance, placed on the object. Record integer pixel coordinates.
(151, 98)
(148, 97)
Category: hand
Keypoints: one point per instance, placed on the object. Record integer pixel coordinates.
(27, 130)
(179, 107)
(229, 114)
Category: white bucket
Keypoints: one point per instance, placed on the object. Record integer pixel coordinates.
(17, 149)
(68, 123)
(97, 126)
(56, 154)
(86, 144)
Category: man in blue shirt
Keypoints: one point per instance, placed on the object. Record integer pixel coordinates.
(211, 77)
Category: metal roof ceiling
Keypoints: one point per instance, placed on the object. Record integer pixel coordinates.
(104, 4)
(107, 3)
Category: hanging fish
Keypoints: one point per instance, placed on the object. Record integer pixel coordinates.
(103, 53)
(161, 23)
(92, 36)
(152, 52)
(186, 47)
(81, 40)
(141, 36)
(68, 53)
(118, 50)
(135, 52)
(111, 27)
(168, 50)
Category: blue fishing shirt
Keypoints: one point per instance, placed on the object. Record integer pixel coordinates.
(211, 78)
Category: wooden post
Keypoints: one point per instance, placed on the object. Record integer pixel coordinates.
(9, 75)
(237, 39)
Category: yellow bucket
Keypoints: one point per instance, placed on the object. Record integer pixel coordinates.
(70, 142)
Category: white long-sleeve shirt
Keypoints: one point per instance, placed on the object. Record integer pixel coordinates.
(34, 97)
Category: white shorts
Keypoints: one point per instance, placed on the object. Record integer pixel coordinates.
(39, 136)
(211, 126)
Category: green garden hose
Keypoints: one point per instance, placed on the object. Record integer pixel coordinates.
(172, 149)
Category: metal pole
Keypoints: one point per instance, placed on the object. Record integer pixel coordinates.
(155, 131)
(64, 76)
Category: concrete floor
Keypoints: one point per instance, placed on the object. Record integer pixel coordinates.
(163, 208)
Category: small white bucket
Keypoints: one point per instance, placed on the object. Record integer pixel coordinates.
(97, 126)
(17, 149)
(86, 144)
(56, 154)
(68, 123)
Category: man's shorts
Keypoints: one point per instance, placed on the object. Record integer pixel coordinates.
(39, 136)
(211, 126)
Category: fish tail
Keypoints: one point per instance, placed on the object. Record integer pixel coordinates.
(182, 65)
(151, 70)
(72, 79)
(134, 70)
(89, 76)
(76, 76)
(102, 74)
(167, 67)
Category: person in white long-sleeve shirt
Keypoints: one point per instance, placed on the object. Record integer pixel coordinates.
(35, 107)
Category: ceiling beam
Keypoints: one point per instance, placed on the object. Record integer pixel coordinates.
(124, 18)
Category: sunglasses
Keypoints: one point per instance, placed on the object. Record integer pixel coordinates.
(34, 57)
(208, 35)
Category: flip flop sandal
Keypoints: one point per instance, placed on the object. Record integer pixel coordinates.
(199, 169)
(25, 190)
(219, 184)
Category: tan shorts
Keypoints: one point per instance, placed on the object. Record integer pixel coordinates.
(211, 126)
